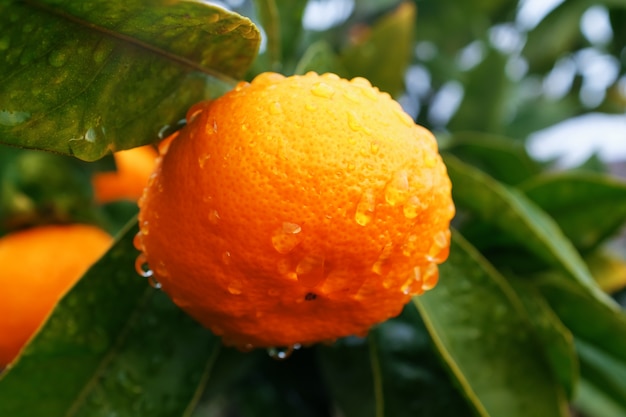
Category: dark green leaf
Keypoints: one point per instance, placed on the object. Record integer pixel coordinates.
(112, 346)
(321, 58)
(587, 207)
(556, 35)
(513, 214)
(369, 54)
(504, 159)
(486, 90)
(555, 339)
(600, 336)
(268, 13)
(39, 188)
(394, 372)
(484, 335)
(87, 78)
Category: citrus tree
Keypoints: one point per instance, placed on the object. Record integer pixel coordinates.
(525, 318)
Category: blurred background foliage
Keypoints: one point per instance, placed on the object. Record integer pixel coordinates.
(528, 318)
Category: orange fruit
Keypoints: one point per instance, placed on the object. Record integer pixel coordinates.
(134, 167)
(297, 209)
(39, 265)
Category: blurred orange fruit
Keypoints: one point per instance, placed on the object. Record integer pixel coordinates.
(133, 168)
(296, 210)
(39, 265)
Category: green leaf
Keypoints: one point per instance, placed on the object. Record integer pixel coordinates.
(600, 336)
(268, 13)
(369, 55)
(595, 403)
(555, 339)
(504, 159)
(587, 207)
(556, 35)
(40, 188)
(87, 78)
(394, 372)
(321, 58)
(484, 336)
(486, 91)
(513, 214)
(112, 346)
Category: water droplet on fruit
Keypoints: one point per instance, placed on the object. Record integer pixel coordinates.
(286, 237)
(410, 245)
(438, 251)
(430, 277)
(275, 108)
(430, 161)
(322, 90)
(374, 147)
(382, 266)
(226, 258)
(310, 270)
(214, 217)
(352, 97)
(365, 208)
(397, 190)
(354, 123)
(404, 118)
(142, 267)
(137, 241)
(413, 286)
(360, 81)
(235, 287)
(412, 207)
(310, 107)
(202, 160)
(282, 353)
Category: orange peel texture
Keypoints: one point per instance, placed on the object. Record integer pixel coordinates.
(294, 210)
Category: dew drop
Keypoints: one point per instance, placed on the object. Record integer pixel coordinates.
(142, 267)
(412, 207)
(430, 161)
(430, 277)
(310, 107)
(282, 353)
(214, 217)
(137, 241)
(214, 18)
(397, 190)
(57, 58)
(409, 247)
(360, 81)
(382, 266)
(235, 287)
(413, 286)
(404, 118)
(241, 85)
(310, 270)
(286, 237)
(202, 160)
(322, 90)
(374, 147)
(439, 250)
(365, 208)
(226, 258)
(275, 108)
(352, 97)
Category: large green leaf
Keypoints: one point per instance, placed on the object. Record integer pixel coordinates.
(486, 88)
(503, 158)
(369, 55)
(555, 338)
(484, 335)
(87, 78)
(556, 35)
(113, 346)
(601, 339)
(587, 207)
(395, 372)
(514, 215)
